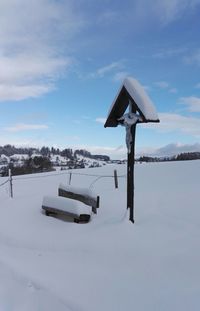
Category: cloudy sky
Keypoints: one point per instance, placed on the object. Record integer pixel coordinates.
(63, 61)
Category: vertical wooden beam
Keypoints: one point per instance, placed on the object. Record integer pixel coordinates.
(11, 185)
(130, 175)
(70, 178)
(115, 179)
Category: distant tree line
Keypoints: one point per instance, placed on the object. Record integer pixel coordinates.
(9, 150)
(68, 153)
(87, 154)
(188, 156)
(180, 157)
(37, 164)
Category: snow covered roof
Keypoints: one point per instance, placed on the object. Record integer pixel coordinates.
(19, 156)
(36, 155)
(131, 90)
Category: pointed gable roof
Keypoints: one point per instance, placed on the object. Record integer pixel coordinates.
(131, 90)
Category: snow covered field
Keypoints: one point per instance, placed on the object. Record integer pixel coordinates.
(108, 264)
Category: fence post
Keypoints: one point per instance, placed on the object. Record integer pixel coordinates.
(70, 178)
(116, 179)
(10, 180)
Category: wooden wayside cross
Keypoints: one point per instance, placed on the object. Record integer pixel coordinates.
(141, 110)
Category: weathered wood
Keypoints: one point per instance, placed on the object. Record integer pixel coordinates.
(80, 197)
(130, 176)
(141, 110)
(94, 210)
(70, 178)
(116, 179)
(120, 105)
(56, 211)
(11, 184)
(49, 213)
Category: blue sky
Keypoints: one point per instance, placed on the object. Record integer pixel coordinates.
(62, 63)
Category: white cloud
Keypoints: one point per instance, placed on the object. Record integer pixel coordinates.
(25, 127)
(165, 85)
(120, 76)
(170, 150)
(162, 84)
(160, 12)
(168, 53)
(76, 121)
(118, 152)
(20, 92)
(170, 122)
(173, 90)
(36, 141)
(101, 120)
(108, 17)
(85, 117)
(29, 67)
(109, 68)
(146, 88)
(193, 58)
(33, 36)
(192, 103)
(169, 11)
(72, 138)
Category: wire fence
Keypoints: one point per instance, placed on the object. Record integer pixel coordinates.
(96, 177)
(4, 189)
(5, 182)
(66, 173)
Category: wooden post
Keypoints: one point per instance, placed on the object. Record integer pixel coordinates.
(130, 175)
(116, 179)
(11, 185)
(70, 178)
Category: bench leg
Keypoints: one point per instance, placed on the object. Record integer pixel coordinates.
(94, 210)
(50, 213)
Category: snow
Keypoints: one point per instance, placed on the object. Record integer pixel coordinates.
(78, 190)
(19, 157)
(65, 204)
(137, 92)
(4, 159)
(34, 155)
(144, 103)
(129, 119)
(108, 264)
(90, 161)
(58, 159)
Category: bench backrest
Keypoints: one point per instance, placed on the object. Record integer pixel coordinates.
(76, 195)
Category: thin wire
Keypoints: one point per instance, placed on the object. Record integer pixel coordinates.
(5, 182)
(32, 177)
(94, 182)
(67, 173)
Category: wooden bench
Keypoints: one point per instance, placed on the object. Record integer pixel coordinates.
(77, 211)
(83, 195)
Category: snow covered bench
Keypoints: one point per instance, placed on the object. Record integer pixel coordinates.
(83, 195)
(68, 207)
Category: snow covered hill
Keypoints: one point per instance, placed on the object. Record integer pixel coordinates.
(108, 264)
